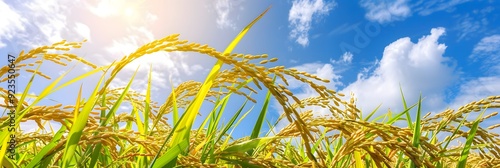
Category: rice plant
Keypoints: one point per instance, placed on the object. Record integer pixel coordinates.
(90, 134)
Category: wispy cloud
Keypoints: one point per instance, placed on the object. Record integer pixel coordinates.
(48, 20)
(467, 26)
(224, 8)
(344, 28)
(51, 19)
(488, 52)
(474, 23)
(346, 58)
(343, 63)
(427, 7)
(302, 14)
(384, 11)
(476, 89)
(11, 23)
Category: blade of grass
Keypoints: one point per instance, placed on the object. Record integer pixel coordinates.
(174, 102)
(358, 160)
(182, 134)
(214, 122)
(6, 134)
(219, 101)
(408, 117)
(161, 161)
(262, 116)
(470, 138)
(147, 102)
(143, 160)
(231, 122)
(226, 141)
(76, 129)
(8, 163)
(106, 117)
(247, 145)
(416, 131)
(372, 113)
(45, 150)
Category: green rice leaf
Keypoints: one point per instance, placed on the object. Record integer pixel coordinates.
(416, 130)
(408, 117)
(76, 129)
(468, 143)
(247, 145)
(45, 150)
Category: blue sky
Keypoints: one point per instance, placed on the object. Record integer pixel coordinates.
(446, 50)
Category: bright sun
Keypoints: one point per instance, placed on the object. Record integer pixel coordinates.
(129, 12)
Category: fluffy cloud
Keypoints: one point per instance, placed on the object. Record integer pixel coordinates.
(419, 68)
(301, 15)
(384, 11)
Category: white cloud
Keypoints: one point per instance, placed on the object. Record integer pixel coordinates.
(344, 28)
(476, 89)
(107, 8)
(10, 23)
(82, 30)
(302, 14)
(223, 9)
(322, 70)
(41, 22)
(488, 51)
(428, 7)
(384, 11)
(50, 18)
(346, 58)
(488, 45)
(166, 66)
(419, 68)
(130, 11)
(468, 25)
(325, 71)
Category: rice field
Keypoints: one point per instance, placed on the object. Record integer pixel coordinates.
(91, 136)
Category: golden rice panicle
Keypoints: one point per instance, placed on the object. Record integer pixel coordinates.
(48, 53)
(38, 73)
